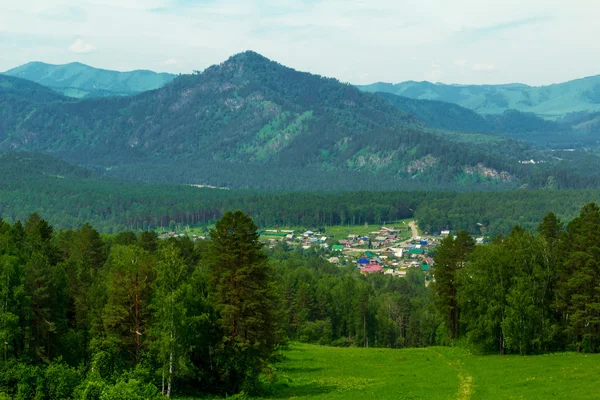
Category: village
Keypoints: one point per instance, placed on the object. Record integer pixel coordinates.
(388, 250)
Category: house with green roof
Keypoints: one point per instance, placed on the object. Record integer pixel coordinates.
(337, 247)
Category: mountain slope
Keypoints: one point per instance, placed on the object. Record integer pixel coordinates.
(250, 122)
(19, 99)
(440, 114)
(82, 81)
(24, 89)
(574, 131)
(552, 101)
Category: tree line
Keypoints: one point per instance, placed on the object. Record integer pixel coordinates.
(67, 195)
(133, 317)
(526, 293)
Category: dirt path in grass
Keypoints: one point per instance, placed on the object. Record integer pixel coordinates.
(465, 390)
(414, 229)
(465, 381)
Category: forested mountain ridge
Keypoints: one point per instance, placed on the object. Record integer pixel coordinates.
(451, 116)
(26, 90)
(82, 81)
(250, 122)
(19, 98)
(575, 131)
(552, 101)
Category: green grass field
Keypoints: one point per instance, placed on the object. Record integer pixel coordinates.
(314, 372)
(342, 231)
(337, 231)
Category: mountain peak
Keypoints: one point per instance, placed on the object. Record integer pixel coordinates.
(245, 64)
(248, 56)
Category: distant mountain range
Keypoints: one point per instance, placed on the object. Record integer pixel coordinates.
(574, 131)
(552, 101)
(253, 123)
(82, 81)
(581, 96)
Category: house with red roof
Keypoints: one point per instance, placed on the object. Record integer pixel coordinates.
(372, 268)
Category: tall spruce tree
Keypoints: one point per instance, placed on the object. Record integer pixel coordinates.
(245, 297)
(452, 255)
(579, 288)
(128, 287)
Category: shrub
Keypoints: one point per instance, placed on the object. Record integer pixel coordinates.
(130, 390)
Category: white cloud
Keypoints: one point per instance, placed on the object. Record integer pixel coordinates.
(81, 47)
(354, 41)
(484, 67)
(171, 61)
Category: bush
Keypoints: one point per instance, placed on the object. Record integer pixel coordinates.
(61, 381)
(316, 332)
(28, 382)
(90, 390)
(130, 390)
(342, 342)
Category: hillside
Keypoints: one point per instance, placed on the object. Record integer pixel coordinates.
(19, 98)
(450, 116)
(82, 81)
(315, 372)
(250, 122)
(552, 101)
(14, 87)
(576, 130)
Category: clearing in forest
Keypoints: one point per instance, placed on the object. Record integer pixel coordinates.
(316, 372)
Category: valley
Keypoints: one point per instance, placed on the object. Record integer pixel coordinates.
(254, 231)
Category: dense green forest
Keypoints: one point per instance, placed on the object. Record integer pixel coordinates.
(525, 293)
(128, 316)
(68, 196)
(252, 123)
(131, 317)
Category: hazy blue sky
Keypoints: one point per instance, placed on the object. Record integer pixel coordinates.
(459, 41)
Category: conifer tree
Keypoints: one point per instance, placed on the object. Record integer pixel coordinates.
(451, 255)
(125, 315)
(579, 295)
(244, 295)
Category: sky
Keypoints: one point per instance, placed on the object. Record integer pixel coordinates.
(537, 42)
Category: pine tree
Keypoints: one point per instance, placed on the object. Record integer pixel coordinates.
(125, 315)
(245, 298)
(579, 293)
(451, 255)
(86, 255)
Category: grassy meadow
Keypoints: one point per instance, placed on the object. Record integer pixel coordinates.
(340, 232)
(315, 372)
